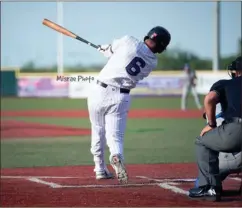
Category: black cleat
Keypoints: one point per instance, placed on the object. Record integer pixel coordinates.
(208, 193)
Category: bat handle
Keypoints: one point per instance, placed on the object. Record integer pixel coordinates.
(93, 45)
(85, 41)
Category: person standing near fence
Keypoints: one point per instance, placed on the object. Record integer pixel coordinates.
(189, 86)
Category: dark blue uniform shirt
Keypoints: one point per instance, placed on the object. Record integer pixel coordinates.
(230, 96)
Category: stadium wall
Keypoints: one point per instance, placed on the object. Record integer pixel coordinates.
(77, 85)
(9, 83)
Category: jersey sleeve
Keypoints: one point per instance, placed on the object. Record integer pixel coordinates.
(118, 42)
(219, 87)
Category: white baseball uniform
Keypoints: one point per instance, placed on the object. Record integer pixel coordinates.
(189, 86)
(130, 60)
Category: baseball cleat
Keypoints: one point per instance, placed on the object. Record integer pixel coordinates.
(207, 193)
(104, 175)
(119, 168)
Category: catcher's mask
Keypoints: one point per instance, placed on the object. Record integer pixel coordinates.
(235, 66)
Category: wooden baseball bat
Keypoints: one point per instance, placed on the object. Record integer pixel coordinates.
(66, 32)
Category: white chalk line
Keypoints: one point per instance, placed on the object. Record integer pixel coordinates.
(39, 181)
(179, 180)
(109, 185)
(170, 184)
(163, 183)
(72, 177)
(173, 188)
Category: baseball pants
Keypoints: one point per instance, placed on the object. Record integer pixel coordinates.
(229, 163)
(108, 110)
(186, 89)
(225, 138)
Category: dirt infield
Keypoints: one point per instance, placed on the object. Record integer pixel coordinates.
(144, 113)
(21, 129)
(149, 185)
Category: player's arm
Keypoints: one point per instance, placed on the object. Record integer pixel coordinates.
(211, 100)
(109, 49)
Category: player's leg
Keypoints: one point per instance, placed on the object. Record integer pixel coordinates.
(115, 128)
(185, 91)
(225, 138)
(229, 163)
(196, 98)
(96, 108)
(223, 165)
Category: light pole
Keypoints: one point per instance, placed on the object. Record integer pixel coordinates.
(216, 56)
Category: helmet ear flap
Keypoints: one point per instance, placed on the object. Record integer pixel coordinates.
(160, 48)
(146, 37)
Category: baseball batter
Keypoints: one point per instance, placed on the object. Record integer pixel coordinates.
(189, 86)
(129, 61)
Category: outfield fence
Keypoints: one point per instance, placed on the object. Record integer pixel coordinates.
(77, 85)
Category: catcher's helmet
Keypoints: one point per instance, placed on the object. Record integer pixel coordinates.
(160, 36)
(236, 65)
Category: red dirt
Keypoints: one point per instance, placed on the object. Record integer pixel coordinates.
(21, 192)
(24, 193)
(142, 113)
(21, 129)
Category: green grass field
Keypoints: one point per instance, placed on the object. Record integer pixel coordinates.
(146, 140)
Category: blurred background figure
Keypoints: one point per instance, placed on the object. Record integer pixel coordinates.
(189, 86)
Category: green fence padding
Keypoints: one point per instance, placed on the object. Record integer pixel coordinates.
(8, 83)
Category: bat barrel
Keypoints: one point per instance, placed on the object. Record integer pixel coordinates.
(64, 31)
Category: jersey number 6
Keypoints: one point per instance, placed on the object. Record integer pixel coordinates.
(133, 68)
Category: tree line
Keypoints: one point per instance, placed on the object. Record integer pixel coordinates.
(172, 59)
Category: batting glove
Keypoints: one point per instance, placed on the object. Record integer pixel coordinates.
(105, 50)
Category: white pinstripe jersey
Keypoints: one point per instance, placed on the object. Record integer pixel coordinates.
(130, 62)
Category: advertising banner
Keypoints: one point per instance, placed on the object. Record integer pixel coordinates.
(153, 85)
(78, 85)
(159, 85)
(206, 80)
(42, 87)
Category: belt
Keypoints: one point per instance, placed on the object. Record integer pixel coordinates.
(235, 153)
(122, 90)
(234, 120)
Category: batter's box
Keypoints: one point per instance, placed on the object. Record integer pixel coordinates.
(93, 183)
(167, 180)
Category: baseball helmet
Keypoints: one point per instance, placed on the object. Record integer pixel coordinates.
(160, 36)
(236, 65)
